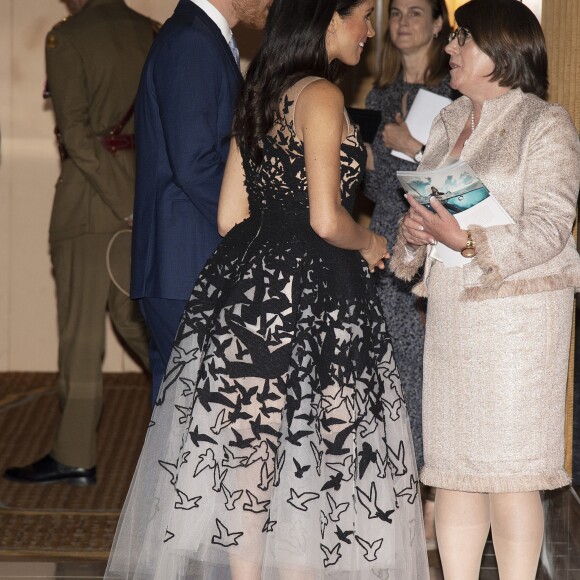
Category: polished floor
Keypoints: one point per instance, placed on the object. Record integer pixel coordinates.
(560, 557)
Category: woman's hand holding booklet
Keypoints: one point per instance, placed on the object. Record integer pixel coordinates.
(462, 194)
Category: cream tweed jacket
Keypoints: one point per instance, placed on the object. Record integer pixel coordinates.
(527, 152)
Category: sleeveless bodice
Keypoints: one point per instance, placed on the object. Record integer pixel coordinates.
(278, 183)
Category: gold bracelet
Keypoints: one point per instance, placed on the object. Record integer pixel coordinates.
(469, 251)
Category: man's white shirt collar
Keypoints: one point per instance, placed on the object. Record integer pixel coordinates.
(217, 17)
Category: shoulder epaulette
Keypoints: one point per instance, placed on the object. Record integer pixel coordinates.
(61, 22)
(51, 38)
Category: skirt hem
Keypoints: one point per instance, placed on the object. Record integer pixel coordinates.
(494, 483)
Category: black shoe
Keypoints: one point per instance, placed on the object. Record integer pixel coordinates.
(49, 470)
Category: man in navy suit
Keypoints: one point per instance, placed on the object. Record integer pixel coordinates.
(183, 121)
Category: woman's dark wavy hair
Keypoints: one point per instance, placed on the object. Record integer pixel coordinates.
(509, 33)
(293, 47)
(392, 65)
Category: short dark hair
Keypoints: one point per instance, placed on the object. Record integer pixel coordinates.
(509, 33)
(293, 47)
(438, 68)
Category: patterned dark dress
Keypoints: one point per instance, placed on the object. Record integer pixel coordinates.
(403, 311)
(281, 436)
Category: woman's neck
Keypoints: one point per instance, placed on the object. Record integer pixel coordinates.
(478, 101)
(414, 67)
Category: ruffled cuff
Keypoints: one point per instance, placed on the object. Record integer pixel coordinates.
(406, 262)
(490, 273)
(482, 277)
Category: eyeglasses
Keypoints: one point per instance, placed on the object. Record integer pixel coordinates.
(462, 34)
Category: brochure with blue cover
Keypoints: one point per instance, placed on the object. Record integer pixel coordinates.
(463, 194)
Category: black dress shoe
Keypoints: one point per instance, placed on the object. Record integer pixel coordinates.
(49, 470)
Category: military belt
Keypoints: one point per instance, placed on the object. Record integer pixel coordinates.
(113, 140)
(114, 143)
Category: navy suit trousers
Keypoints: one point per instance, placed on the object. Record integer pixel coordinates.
(162, 317)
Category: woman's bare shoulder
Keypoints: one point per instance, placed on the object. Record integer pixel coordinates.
(319, 102)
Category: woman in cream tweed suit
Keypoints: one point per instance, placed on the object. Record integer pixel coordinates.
(498, 328)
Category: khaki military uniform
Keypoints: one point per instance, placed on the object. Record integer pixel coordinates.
(94, 62)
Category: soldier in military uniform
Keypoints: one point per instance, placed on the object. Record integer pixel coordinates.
(94, 61)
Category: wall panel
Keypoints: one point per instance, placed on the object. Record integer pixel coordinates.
(5, 178)
(561, 22)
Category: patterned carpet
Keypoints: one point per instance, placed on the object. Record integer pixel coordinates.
(58, 520)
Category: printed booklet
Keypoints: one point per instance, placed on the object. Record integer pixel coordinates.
(463, 194)
(422, 113)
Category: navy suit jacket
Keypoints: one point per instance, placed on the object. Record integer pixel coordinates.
(183, 121)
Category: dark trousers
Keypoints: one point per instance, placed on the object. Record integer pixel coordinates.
(162, 317)
(84, 293)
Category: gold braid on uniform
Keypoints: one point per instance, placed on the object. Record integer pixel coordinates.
(51, 38)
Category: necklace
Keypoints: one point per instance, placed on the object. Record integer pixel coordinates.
(472, 126)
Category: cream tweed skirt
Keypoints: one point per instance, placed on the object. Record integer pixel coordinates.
(495, 375)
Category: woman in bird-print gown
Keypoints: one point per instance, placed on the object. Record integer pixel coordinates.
(280, 446)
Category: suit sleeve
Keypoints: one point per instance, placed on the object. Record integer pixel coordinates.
(187, 79)
(71, 102)
(551, 192)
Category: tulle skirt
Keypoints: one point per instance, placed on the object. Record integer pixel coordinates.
(280, 446)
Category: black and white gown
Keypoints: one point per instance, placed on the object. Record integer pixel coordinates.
(281, 435)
